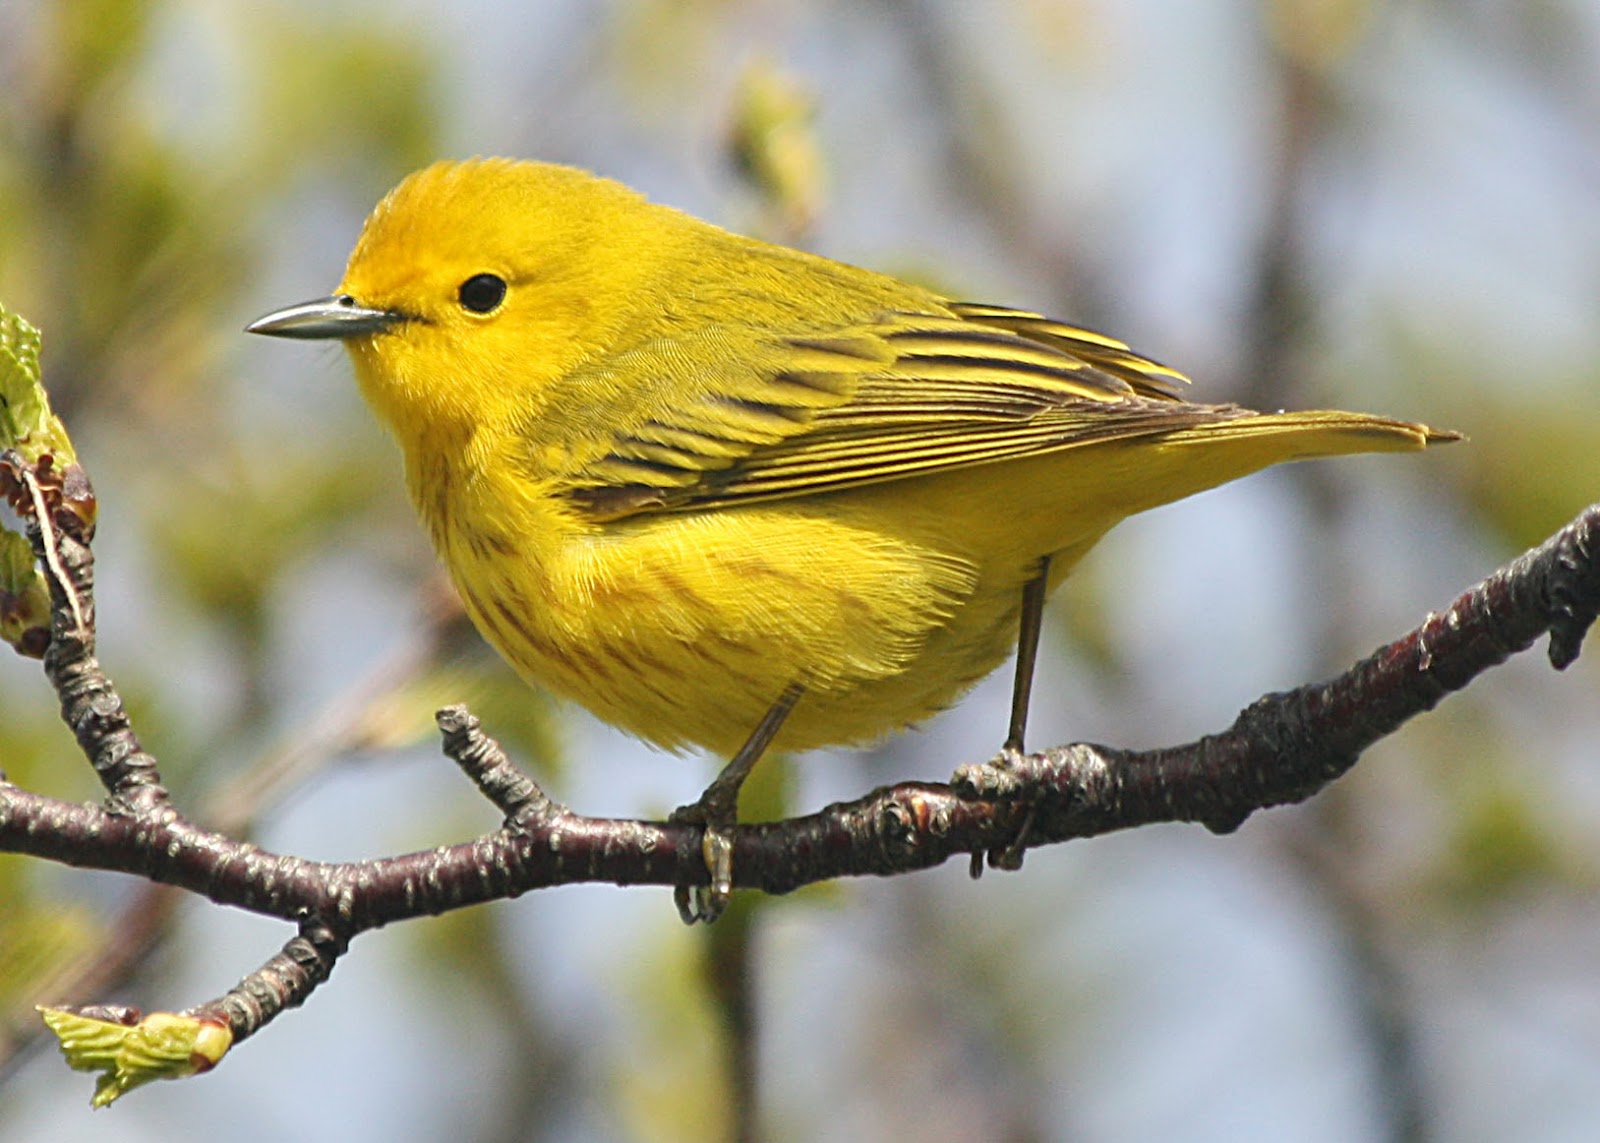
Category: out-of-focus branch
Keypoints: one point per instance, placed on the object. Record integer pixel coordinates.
(1276, 336)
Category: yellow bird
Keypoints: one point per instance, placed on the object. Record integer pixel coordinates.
(731, 494)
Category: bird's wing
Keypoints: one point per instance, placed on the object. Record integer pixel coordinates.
(903, 396)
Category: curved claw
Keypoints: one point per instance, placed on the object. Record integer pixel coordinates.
(717, 810)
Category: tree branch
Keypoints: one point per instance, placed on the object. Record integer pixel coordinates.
(1282, 748)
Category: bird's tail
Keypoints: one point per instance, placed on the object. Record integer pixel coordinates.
(1180, 462)
(1279, 437)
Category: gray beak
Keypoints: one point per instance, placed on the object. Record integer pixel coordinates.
(337, 317)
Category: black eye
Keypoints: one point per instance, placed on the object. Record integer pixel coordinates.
(481, 293)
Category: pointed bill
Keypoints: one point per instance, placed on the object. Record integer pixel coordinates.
(332, 318)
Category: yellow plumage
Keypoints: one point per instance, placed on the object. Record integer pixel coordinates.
(676, 472)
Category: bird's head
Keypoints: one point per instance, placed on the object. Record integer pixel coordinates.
(475, 284)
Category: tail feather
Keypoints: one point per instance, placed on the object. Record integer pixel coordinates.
(1184, 461)
(1315, 433)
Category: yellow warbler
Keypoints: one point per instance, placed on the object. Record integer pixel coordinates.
(732, 494)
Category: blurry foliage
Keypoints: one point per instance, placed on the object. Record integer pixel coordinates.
(775, 148)
(226, 548)
(1553, 447)
(1318, 34)
(1499, 845)
(40, 930)
(1530, 457)
(128, 239)
(37, 937)
(360, 97)
(485, 998)
(669, 1081)
(669, 47)
(1080, 616)
(525, 720)
(1475, 826)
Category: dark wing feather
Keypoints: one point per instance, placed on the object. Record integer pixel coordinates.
(909, 395)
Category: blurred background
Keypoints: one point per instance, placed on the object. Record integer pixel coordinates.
(1387, 206)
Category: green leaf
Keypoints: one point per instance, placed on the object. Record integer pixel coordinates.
(24, 598)
(28, 426)
(26, 422)
(162, 1045)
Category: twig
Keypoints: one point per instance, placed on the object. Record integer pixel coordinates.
(283, 982)
(90, 705)
(48, 548)
(1281, 749)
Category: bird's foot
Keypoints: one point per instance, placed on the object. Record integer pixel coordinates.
(998, 780)
(716, 816)
(717, 811)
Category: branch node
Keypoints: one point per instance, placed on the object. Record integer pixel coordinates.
(485, 761)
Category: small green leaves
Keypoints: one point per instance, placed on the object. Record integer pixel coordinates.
(28, 431)
(24, 601)
(39, 471)
(26, 422)
(130, 1051)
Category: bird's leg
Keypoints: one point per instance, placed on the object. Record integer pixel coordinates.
(1032, 619)
(718, 808)
(1033, 595)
